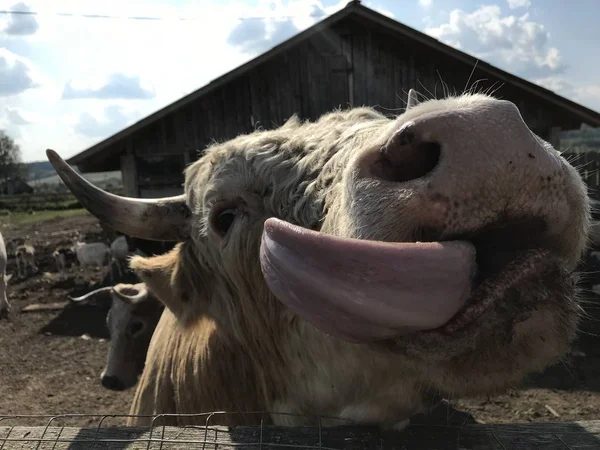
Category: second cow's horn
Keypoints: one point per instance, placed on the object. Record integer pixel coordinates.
(162, 219)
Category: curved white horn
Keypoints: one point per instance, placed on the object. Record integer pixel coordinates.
(85, 297)
(162, 219)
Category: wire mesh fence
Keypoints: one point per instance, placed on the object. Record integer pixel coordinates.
(201, 431)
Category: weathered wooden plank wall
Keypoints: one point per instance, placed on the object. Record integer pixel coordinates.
(386, 67)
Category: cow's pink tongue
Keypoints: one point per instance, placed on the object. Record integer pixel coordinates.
(363, 290)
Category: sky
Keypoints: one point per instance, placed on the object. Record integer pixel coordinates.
(68, 81)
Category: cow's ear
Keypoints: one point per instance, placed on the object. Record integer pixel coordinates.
(292, 122)
(131, 294)
(176, 278)
(413, 99)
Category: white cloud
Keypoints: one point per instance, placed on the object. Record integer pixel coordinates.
(555, 84)
(380, 9)
(425, 3)
(16, 74)
(11, 122)
(19, 24)
(172, 57)
(116, 86)
(14, 117)
(517, 43)
(272, 22)
(514, 4)
(587, 95)
(113, 119)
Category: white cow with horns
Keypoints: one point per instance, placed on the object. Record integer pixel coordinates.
(359, 266)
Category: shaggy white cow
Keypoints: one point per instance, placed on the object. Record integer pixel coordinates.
(359, 266)
(4, 279)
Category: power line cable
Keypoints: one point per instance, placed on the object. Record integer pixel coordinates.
(149, 18)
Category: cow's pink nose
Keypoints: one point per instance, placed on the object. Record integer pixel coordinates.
(479, 141)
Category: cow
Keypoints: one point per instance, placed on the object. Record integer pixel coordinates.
(25, 256)
(131, 320)
(119, 249)
(93, 254)
(62, 256)
(4, 279)
(358, 267)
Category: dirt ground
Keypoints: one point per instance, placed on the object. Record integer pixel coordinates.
(50, 361)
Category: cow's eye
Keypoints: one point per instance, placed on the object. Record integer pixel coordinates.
(224, 220)
(136, 327)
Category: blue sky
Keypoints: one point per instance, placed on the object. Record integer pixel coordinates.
(69, 82)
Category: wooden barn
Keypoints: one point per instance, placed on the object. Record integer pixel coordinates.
(354, 57)
(15, 186)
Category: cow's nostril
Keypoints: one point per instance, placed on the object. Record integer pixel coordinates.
(405, 157)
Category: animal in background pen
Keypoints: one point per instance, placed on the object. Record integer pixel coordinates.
(4, 279)
(24, 258)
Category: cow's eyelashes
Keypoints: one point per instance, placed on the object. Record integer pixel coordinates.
(223, 219)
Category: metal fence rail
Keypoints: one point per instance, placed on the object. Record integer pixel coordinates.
(107, 432)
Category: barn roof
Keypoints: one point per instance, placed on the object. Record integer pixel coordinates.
(356, 10)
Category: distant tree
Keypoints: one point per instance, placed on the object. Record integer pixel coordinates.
(10, 157)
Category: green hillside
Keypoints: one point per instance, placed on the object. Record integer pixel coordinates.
(39, 169)
(105, 180)
(41, 176)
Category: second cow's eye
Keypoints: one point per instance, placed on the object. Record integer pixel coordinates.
(136, 327)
